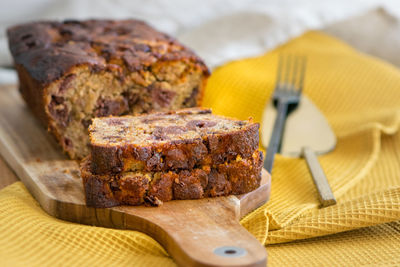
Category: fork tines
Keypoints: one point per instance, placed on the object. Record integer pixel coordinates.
(291, 70)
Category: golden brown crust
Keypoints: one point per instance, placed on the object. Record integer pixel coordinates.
(235, 177)
(49, 49)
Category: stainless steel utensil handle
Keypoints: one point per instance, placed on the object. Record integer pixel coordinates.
(276, 137)
(326, 196)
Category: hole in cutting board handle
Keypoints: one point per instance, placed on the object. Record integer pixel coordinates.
(230, 252)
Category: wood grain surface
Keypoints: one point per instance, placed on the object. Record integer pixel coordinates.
(202, 232)
(7, 176)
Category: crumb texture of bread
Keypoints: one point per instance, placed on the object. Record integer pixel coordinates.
(175, 140)
(72, 71)
(237, 176)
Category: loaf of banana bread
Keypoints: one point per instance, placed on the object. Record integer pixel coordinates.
(72, 71)
(171, 140)
(237, 176)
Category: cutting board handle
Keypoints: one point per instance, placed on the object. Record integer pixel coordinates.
(207, 234)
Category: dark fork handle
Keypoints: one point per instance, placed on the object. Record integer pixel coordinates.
(276, 137)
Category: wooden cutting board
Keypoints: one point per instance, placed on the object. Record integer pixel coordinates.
(202, 232)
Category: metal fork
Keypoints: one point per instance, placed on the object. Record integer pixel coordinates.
(286, 97)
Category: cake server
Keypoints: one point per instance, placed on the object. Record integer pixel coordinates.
(306, 134)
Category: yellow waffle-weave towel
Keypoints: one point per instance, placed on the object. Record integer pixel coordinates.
(359, 95)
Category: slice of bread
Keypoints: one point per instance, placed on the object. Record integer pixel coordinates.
(237, 176)
(173, 140)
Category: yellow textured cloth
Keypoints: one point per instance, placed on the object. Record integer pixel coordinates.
(359, 95)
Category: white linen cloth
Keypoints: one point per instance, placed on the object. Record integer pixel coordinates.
(225, 30)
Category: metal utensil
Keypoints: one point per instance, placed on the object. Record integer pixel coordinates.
(306, 134)
(286, 97)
